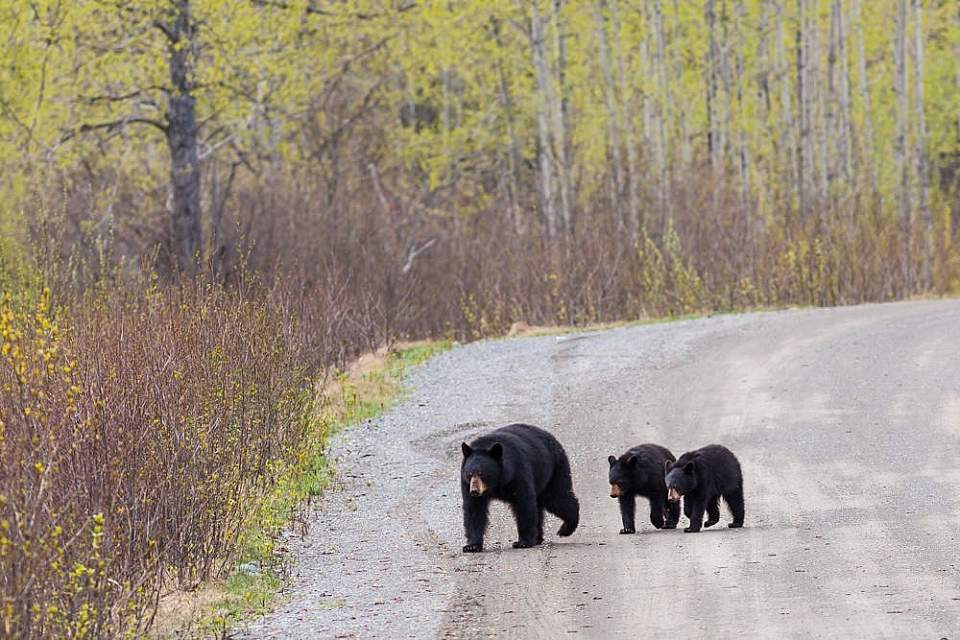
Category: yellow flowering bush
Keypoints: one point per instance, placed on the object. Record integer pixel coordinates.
(134, 448)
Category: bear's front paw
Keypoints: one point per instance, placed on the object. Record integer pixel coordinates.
(735, 525)
(472, 548)
(691, 530)
(628, 530)
(711, 522)
(523, 544)
(670, 525)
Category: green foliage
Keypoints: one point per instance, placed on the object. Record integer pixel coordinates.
(461, 72)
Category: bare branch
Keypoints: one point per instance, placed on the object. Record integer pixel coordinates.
(314, 9)
(416, 251)
(112, 125)
(167, 31)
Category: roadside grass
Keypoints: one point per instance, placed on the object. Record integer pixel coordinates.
(523, 330)
(368, 387)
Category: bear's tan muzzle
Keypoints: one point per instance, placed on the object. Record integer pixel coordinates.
(477, 487)
(614, 491)
(673, 495)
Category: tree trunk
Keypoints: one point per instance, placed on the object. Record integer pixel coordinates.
(832, 129)
(634, 218)
(513, 153)
(900, 143)
(923, 180)
(562, 128)
(846, 116)
(664, 199)
(900, 91)
(742, 115)
(547, 188)
(715, 144)
(182, 139)
(686, 147)
(867, 159)
(726, 122)
(788, 149)
(921, 119)
(819, 131)
(804, 156)
(615, 178)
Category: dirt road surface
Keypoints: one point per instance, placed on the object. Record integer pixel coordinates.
(847, 425)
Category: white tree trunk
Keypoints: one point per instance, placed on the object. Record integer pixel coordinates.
(547, 187)
(561, 122)
(900, 91)
(634, 219)
(788, 146)
(920, 117)
(611, 100)
(867, 159)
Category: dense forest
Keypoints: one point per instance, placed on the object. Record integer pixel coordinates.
(164, 134)
(206, 205)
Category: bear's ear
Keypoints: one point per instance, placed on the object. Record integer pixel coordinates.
(466, 450)
(632, 461)
(666, 465)
(688, 468)
(496, 451)
(612, 460)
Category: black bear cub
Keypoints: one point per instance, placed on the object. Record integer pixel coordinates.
(525, 467)
(701, 477)
(639, 472)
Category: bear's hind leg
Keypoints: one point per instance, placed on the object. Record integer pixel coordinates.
(734, 500)
(568, 510)
(559, 499)
(656, 512)
(713, 511)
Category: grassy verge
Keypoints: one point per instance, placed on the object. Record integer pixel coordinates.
(369, 386)
(523, 330)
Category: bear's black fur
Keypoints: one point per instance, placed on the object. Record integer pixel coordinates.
(701, 477)
(525, 467)
(640, 472)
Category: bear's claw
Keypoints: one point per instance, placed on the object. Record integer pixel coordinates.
(625, 530)
(472, 548)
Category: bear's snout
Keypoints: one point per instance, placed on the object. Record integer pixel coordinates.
(614, 491)
(673, 495)
(477, 487)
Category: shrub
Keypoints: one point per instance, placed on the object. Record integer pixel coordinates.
(135, 445)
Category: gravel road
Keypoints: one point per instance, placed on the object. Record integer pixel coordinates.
(847, 425)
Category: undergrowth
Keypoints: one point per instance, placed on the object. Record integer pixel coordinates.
(353, 397)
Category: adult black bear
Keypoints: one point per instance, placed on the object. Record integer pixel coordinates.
(525, 467)
(701, 477)
(639, 472)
